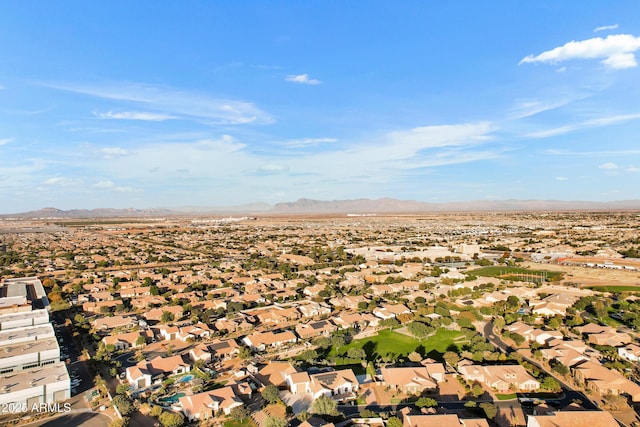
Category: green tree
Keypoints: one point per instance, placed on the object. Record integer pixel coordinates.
(550, 383)
(356, 353)
(244, 353)
(426, 402)
(308, 355)
(171, 419)
(239, 413)
(490, 410)
(167, 317)
(394, 422)
(156, 411)
(451, 358)
(272, 421)
(337, 341)
(123, 404)
(477, 390)
(270, 394)
(324, 405)
(122, 388)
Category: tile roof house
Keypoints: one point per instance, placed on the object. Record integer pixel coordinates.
(533, 334)
(573, 419)
(204, 405)
(156, 313)
(223, 349)
(106, 323)
(275, 373)
(200, 352)
(605, 381)
(313, 309)
(127, 340)
(412, 380)
(500, 377)
(144, 374)
(630, 352)
(314, 329)
(259, 341)
(340, 385)
(442, 420)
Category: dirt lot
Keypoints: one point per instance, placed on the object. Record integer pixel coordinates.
(585, 276)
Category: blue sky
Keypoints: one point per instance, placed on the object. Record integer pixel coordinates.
(202, 103)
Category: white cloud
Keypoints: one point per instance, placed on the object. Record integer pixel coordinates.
(111, 152)
(5, 141)
(62, 181)
(302, 79)
(110, 185)
(561, 178)
(561, 70)
(135, 115)
(605, 28)
(530, 108)
(225, 170)
(271, 169)
(633, 169)
(608, 165)
(601, 121)
(616, 51)
(175, 102)
(306, 142)
(425, 137)
(104, 184)
(599, 154)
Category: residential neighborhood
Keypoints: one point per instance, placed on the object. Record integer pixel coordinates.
(479, 321)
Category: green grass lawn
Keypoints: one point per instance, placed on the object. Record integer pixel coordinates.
(516, 273)
(508, 396)
(388, 343)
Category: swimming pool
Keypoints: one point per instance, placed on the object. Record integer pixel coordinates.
(186, 379)
(171, 399)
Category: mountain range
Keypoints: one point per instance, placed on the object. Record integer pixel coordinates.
(355, 206)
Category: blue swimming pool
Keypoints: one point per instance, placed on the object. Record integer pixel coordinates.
(186, 379)
(171, 399)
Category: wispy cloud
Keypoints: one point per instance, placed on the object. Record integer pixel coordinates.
(5, 141)
(62, 181)
(175, 102)
(530, 108)
(598, 122)
(302, 79)
(227, 168)
(561, 178)
(616, 51)
(272, 169)
(605, 28)
(111, 152)
(110, 185)
(135, 115)
(605, 153)
(608, 165)
(306, 142)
